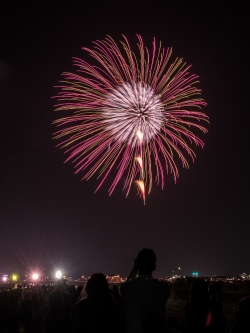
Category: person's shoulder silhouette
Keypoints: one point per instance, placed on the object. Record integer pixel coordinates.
(241, 323)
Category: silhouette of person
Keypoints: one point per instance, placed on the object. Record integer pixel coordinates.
(76, 295)
(202, 314)
(98, 312)
(241, 322)
(59, 309)
(144, 297)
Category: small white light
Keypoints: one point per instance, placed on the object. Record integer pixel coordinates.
(35, 276)
(58, 274)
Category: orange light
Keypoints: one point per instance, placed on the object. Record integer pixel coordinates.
(140, 135)
(139, 160)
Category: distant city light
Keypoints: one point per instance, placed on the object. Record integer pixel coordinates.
(35, 276)
(14, 277)
(58, 274)
(5, 278)
(195, 274)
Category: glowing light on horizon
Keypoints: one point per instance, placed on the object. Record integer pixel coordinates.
(58, 274)
(14, 277)
(35, 276)
(122, 97)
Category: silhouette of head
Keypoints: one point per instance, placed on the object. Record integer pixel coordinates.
(199, 289)
(61, 283)
(115, 288)
(97, 284)
(146, 262)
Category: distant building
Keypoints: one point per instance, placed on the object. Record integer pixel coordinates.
(245, 276)
(218, 278)
(114, 279)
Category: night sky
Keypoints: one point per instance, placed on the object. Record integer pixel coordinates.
(50, 219)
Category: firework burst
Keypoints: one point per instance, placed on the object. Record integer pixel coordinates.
(132, 114)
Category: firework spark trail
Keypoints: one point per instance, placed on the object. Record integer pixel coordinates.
(107, 104)
(140, 183)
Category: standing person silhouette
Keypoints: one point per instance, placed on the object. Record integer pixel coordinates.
(144, 297)
(58, 319)
(203, 315)
(98, 312)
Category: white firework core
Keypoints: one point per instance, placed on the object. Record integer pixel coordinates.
(130, 108)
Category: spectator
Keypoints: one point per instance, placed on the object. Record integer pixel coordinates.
(144, 297)
(77, 293)
(203, 315)
(98, 312)
(241, 322)
(58, 319)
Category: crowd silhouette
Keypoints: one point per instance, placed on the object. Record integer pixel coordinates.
(136, 306)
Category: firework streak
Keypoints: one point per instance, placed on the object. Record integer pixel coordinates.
(129, 116)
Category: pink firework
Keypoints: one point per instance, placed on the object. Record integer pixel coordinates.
(132, 114)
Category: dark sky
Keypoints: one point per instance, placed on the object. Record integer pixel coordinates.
(49, 218)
